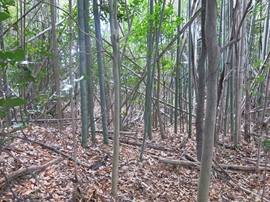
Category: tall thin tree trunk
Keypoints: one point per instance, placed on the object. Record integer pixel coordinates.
(71, 94)
(116, 118)
(265, 44)
(83, 82)
(213, 52)
(238, 97)
(231, 76)
(247, 79)
(88, 47)
(56, 64)
(22, 38)
(201, 87)
(100, 71)
(239, 79)
(148, 100)
(189, 74)
(177, 75)
(161, 126)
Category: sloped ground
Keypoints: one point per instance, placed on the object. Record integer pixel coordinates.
(148, 180)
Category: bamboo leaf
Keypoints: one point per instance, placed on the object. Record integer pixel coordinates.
(6, 139)
(4, 16)
(19, 55)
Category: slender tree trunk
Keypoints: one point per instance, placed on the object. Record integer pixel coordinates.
(148, 100)
(22, 38)
(116, 118)
(83, 83)
(239, 80)
(264, 125)
(100, 71)
(90, 94)
(231, 76)
(247, 79)
(263, 55)
(201, 87)
(189, 74)
(247, 109)
(213, 52)
(161, 126)
(56, 64)
(177, 75)
(71, 93)
(266, 32)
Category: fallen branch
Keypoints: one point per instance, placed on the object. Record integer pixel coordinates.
(55, 150)
(26, 171)
(242, 168)
(255, 163)
(224, 166)
(121, 132)
(178, 162)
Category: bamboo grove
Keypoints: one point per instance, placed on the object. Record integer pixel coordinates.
(118, 64)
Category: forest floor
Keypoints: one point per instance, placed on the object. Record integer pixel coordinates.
(153, 179)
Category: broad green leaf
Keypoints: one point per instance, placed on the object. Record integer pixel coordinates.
(2, 102)
(3, 65)
(19, 55)
(3, 55)
(11, 102)
(10, 55)
(26, 78)
(1, 114)
(4, 16)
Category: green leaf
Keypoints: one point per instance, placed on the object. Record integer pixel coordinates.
(26, 119)
(84, 77)
(3, 65)
(10, 55)
(6, 139)
(11, 102)
(18, 127)
(266, 144)
(1, 114)
(3, 55)
(27, 77)
(19, 55)
(4, 16)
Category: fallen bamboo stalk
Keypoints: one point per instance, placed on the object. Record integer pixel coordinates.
(25, 171)
(224, 166)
